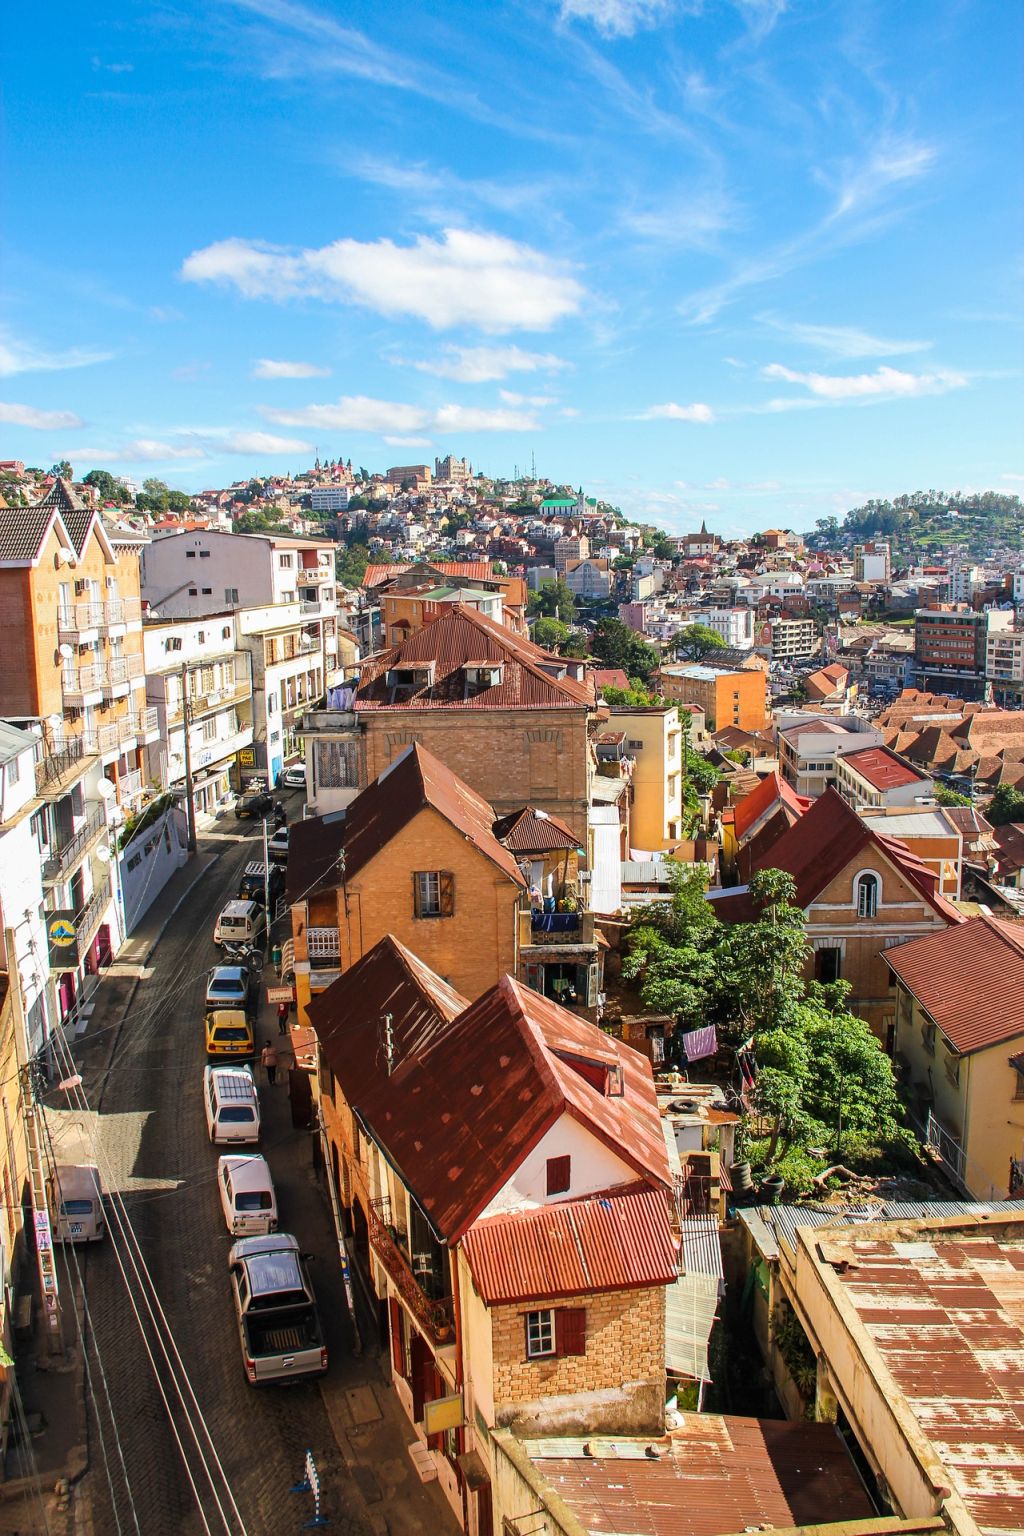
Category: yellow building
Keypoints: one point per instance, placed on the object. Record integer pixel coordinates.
(654, 741)
(960, 1040)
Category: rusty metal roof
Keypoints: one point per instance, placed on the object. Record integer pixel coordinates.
(882, 769)
(945, 1310)
(533, 831)
(715, 1475)
(970, 980)
(612, 1242)
(772, 790)
(462, 636)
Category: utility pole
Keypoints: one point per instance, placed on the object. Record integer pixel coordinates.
(186, 716)
(32, 1113)
(266, 877)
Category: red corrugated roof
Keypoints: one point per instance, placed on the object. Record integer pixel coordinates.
(471, 570)
(882, 769)
(773, 788)
(613, 1243)
(970, 980)
(533, 831)
(460, 637)
(458, 1119)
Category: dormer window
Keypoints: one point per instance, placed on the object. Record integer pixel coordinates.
(481, 675)
(410, 678)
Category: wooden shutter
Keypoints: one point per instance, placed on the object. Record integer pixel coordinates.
(417, 904)
(558, 1175)
(570, 1331)
(446, 883)
(395, 1330)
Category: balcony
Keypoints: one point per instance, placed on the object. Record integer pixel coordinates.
(87, 921)
(127, 731)
(120, 611)
(436, 1318)
(122, 671)
(83, 685)
(553, 928)
(63, 860)
(62, 765)
(79, 619)
(130, 786)
(323, 944)
(205, 701)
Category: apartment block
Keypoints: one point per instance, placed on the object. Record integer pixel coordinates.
(793, 639)
(654, 743)
(951, 648)
(727, 697)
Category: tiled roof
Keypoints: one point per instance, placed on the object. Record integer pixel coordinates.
(970, 980)
(609, 677)
(533, 831)
(715, 1475)
(460, 637)
(22, 531)
(415, 779)
(458, 1119)
(1010, 841)
(882, 769)
(470, 570)
(388, 979)
(77, 517)
(611, 1242)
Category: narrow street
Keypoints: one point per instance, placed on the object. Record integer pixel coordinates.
(152, 1138)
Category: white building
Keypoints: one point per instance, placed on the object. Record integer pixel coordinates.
(793, 639)
(1004, 660)
(294, 662)
(198, 660)
(809, 745)
(330, 498)
(735, 625)
(204, 571)
(21, 884)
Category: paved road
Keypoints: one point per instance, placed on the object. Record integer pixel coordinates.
(153, 1133)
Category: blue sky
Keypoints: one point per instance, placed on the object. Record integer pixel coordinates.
(754, 260)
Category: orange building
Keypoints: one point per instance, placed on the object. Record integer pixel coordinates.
(727, 697)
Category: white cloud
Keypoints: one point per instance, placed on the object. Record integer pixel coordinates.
(617, 18)
(464, 278)
(22, 357)
(261, 442)
(885, 381)
(841, 340)
(359, 413)
(694, 219)
(538, 401)
(1013, 479)
(408, 442)
(272, 368)
(143, 450)
(892, 162)
(480, 365)
(28, 416)
(196, 443)
(672, 412)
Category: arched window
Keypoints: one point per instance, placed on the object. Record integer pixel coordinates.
(867, 895)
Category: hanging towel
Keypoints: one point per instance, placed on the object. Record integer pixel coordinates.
(700, 1043)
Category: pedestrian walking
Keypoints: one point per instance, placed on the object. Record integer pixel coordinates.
(268, 1059)
(282, 1018)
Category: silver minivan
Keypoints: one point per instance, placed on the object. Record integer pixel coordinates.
(243, 923)
(231, 1106)
(247, 1195)
(76, 1198)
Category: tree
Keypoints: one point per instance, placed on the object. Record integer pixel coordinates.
(62, 470)
(616, 645)
(701, 776)
(1006, 805)
(552, 600)
(697, 641)
(633, 697)
(766, 957)
(549, 634)
(946, 796)
(663, 548)
(350, 564)
(107, 487)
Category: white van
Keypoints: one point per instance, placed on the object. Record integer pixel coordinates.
(76, 1199)
(232, 1108)
(243, 923)
(247, 1195)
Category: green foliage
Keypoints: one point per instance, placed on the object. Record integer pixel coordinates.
(917, 523)
(143, 819)
(1007, 804)
(550, 633)
(155, 496)
(701, 776)
(946, 796)
(107, 487)
(636, 696)
(697, 641)
(62, 469)
(350, 563)
(552, 600)
(616, 645)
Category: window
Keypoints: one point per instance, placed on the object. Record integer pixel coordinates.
(336, 764)
(231, 594)
(952, 1066)
(207, 591)
(635, 746)
(434, 893)
(928, 1038)
(285, 562)
(202, 633)
(204, 554)
(190, 554)
(1018, 1084)
(867, 896)
(13, 771)
(225, 633)
(540, 1334)
(558, 1175)
(828, 964)
(193, 591)
(172, 643)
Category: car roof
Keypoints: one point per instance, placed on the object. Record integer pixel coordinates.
(228, 973)
(218, 1017)
(248, 1173)
(239, 907)
(233, 1082)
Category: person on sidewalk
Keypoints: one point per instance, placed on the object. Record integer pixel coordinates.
(268, 1059)
(282, 1018)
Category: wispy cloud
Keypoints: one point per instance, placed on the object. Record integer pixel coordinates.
(111, 68)
(618, 18)
(695, 219)
(196, 444)
(15, 415)
(272, 368)
(408, 442)
(890, 383)
(22, 357)
(537, 401)
(481, 365)
(670, 411)
(840, 340)
(360, 413)
(464, 278)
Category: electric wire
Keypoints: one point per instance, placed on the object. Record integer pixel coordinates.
(28, 1455)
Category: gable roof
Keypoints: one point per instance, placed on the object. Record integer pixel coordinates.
(458, 1119)
(614, 1242)
(76, 515)
(773, 790)
(970, 980)
(532, 831)
(882, 769)
(388, 979)
(471, 570)
(465, 637)
(416, 779)
(23, 531)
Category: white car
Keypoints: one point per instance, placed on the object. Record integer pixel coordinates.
(247, 1195)
(277, 847)
(294, 777)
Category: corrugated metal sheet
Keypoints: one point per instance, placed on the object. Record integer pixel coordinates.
(530, 831)
(582, 1247)
(691, 1305)
(712, 1476)
(970, 980)
(783, 1220)
(702, 1246)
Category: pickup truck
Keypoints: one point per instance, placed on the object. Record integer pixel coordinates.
(278, 1323)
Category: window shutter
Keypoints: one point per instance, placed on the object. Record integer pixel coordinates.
(446, 882)
(570, 1331)
(417, 903)
(395, 1330)
(558, 1175)
(535, 977)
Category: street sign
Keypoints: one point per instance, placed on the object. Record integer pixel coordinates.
(443, 1413)
(280, 995)
(62, 940)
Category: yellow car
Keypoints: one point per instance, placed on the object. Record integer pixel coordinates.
(228, 1035)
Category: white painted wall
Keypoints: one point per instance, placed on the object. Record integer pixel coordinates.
(606, 859)
(594, 1167)
(223, 562)
(148, 863)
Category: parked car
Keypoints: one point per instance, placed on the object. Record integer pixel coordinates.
(241, 922)
(247, 1196)
(294, 777)
(279, 1327)
(256, 802)
(229, 1036)
(230, 1104)
(76, 1203)
(277, 847)
(232, 986)
(253, 883)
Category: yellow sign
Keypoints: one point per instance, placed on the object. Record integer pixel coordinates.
(247, 757)
(443, 1413)
(61, 932)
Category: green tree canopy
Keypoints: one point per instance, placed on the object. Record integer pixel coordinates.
(550, 633)
(946, 796)
(697, 641)
(552, 600)
(1006, 805)
(62, 469)
(616, 645)
(350, 564)
(107, 487)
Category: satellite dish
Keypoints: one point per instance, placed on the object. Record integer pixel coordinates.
(106, 789)
(67, 651)
(103, 853)
(55, 722)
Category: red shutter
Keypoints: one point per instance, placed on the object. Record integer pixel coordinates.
(570, 1331)
(558, 1172)
(395, 1330)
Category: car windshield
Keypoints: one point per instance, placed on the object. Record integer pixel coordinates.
(230, 986)
(231, 1032)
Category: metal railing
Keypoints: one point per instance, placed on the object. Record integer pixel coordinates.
(63, 859)
(123, 669)
(77, 681)
(130, 785)
(77, 617)
(436, 1318)
(63, 760)
(323, 943)
(88, 920)
(122, 610)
